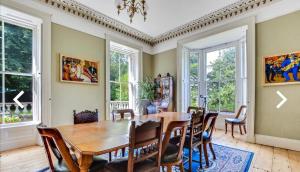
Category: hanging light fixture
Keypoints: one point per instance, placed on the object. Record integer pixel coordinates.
(132, 7)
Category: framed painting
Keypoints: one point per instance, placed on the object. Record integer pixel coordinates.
(77, 70)
(281, 69)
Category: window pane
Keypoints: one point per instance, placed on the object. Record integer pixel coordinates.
(114, 66)
(221, 68)
(213, 96)
(18, 48)
(1, 45)
(115, 91)
(1, 102)
(194, 95)
(194, 65)
(124, 68)
(13, 86)
(124, 92)
(227, 96)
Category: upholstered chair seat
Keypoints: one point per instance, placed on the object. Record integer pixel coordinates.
(235, 120)
(120, 165)
(170, 154)
(96, 166)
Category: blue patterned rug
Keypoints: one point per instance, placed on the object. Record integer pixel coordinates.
(227, 160)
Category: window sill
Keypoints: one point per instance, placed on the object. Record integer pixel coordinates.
(20, 124)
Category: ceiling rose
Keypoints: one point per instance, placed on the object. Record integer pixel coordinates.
(132, 7)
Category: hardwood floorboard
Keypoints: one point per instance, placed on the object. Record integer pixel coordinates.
(266, 158)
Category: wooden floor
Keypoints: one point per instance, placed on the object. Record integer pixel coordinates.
(266, 158)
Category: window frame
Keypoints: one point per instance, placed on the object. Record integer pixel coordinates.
(237, 56)
(24, 20)
(202, 71)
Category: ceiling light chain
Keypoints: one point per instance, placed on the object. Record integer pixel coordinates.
(132, 7)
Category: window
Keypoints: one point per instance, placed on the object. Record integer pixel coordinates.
(217, 73)
(220, 79)
(123, 76)
(194, 79)
(119, 76)
(19, 68)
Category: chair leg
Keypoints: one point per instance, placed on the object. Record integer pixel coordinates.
(241, 129)
(206, 154)
(245, 128)
(232, 128)
(225, 127)
(181, 167)
(123, 152)
(162, 168)
(109, 156)
(200, 155)
(190, 158)
(212, 150)
(169, 168)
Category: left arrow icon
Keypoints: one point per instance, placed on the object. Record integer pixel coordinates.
(17, 101)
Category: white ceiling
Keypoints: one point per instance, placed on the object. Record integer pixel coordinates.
(163, 15)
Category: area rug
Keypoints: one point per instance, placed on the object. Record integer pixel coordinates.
(227, 160)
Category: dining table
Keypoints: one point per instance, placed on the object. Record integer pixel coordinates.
(92, 139)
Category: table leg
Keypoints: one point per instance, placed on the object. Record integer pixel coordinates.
(85, 162)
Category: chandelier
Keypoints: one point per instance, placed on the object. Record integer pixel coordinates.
(132, 7)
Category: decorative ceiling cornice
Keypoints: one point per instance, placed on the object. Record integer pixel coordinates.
(230, 11)
(80, 10)
(227, 12)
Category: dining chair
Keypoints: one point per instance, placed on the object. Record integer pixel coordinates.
(192, 109)
(53, 140)
(237, 121)
(85, 116)
(193, 137)
(120, 114)
(172, 153)
(144, 155)
(208, 129)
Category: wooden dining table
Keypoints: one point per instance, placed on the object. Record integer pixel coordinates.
(88, 140)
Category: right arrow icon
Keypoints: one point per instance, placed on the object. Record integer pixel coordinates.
(284, 99)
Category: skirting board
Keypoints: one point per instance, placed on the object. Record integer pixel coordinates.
(278, 142)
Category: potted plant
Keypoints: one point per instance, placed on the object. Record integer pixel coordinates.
(146, 93)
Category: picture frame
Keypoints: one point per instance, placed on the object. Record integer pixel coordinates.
(281, 69)
(78, 70)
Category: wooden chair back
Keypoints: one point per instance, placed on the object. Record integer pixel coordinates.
(145, 141)
(175, 125)
(240, 112)
(122, 113)
(197, 122)
(192, 109)
(209, 128)
(85, 116)
(52, 139)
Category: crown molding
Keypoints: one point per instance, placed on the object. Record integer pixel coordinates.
(230, 11)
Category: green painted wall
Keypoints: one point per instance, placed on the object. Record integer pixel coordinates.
(148, 64)
(277, 36)
(165, 62)
(69, 96)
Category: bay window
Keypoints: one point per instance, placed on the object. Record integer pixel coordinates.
(216, 77)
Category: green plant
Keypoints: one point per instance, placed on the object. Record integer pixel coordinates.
(147, 88)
